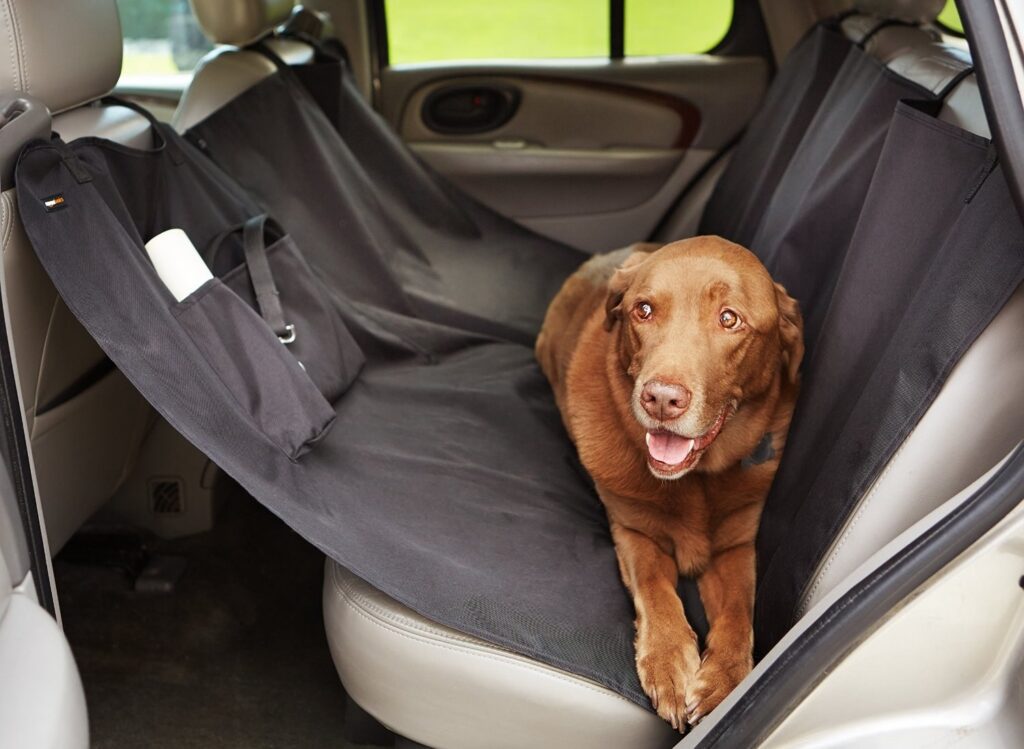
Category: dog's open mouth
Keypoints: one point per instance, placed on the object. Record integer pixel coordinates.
(669, 454)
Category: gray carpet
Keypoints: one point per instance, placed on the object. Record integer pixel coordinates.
(235, 657)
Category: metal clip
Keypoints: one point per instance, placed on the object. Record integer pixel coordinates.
(289, 335)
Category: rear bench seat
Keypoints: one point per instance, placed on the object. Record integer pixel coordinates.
(451, 690)
(446, 689)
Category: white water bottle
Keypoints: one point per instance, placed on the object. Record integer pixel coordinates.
(177, 262)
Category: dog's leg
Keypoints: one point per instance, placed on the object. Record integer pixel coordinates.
(667, 656)
(727, 592)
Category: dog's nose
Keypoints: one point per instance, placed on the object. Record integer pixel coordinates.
(663, 401)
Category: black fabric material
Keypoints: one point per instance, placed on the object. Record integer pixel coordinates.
(307, 145)
(268, 384)
(261, 277)
(738, 202)
(937, 251)
(447, 480)
(807, 225)
(321, 342)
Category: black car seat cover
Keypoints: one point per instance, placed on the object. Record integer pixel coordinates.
(439, 471)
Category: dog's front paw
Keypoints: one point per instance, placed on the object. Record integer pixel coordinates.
(716, 677)
(665, 671)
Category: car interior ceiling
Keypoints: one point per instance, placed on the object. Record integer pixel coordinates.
(239, 624)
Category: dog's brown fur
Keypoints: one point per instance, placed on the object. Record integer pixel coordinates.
(598, 352)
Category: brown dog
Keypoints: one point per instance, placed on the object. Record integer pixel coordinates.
(676, 372)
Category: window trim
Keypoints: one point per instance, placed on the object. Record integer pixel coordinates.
(617, 29)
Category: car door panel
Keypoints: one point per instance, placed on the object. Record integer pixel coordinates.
(42, 702)
(590, 113)
(530, 180)
(594, 153)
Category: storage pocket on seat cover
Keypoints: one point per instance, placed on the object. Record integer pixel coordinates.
(320, 339)
(267, 382)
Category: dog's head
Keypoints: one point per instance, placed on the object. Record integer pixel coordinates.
(701, 329)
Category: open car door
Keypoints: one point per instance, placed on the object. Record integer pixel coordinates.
(42, 703)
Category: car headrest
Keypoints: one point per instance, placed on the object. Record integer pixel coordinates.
(239, 22)
(63, 54)
(910, 11)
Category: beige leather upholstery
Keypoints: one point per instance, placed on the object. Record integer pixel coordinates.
(239, 22)
(118, 123)
(84, 421)
(225, 73)
(859, 27)
(892, 41)
(933, 66)
(62, 53)
(449, 690)
(908, 11)
(963, 108)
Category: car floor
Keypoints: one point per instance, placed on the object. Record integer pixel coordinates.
(235, 657)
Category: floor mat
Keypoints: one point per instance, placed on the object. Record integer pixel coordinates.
(235, 657)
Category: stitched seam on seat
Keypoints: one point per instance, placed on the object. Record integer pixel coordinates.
(6, 215)
(848, 531)
(15, 67)
(386, 623)
(510, 661)
(349, 592)
(22, 62)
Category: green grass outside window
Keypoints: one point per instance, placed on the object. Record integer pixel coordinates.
(950, 18)
(439, 30)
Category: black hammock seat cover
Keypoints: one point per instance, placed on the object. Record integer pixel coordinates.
(936, 253)
(337, 169)
(741, 195)
(431, 460)
(810, 218)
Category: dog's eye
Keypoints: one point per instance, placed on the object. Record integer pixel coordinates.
(644, 310)
(728, 319)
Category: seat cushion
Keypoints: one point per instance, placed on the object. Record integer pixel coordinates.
(449, 690)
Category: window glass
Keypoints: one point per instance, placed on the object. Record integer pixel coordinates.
(676, 27)
(161, 38)
(432, 30)
(436, 30)
(950, 18)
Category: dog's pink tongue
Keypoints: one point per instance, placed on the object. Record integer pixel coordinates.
(668, 448)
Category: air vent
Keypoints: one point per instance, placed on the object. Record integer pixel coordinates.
(167, 496)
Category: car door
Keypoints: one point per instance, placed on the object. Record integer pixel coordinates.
(584, 119)
(42, 703)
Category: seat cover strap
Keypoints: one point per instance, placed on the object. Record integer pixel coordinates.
(267, 297)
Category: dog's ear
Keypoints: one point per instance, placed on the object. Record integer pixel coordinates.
(620, 281)
(791, 332)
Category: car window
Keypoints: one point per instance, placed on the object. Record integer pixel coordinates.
(162, 41)
(950, 18)
(660, 27)
(440, 30)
